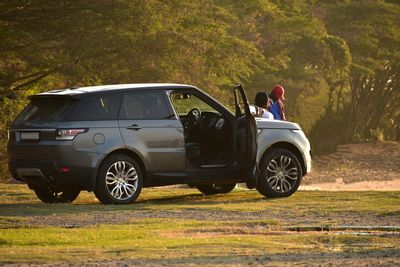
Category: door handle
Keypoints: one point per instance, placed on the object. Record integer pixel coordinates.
(134, 127)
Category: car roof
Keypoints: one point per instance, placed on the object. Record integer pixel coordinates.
(75, 91)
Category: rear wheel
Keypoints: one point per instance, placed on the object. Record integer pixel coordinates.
(280, 174)
(212, 189)
(49, 195)
(119, 180)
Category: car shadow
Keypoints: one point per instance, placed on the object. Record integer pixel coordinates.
(193, 200)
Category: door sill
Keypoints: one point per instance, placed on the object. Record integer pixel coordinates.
(213, 166)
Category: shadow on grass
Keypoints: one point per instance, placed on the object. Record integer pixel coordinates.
(165, 201)
(41, 209)
(26, 207)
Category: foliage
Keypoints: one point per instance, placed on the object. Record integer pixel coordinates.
(123, 41)
(372, 31)
(337, 59)
(51, 44)
(299, 53)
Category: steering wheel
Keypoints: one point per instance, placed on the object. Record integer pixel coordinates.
(193, 118)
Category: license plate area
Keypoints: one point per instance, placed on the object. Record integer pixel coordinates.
(29, 136)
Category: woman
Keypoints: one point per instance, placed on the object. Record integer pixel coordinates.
(277, 108)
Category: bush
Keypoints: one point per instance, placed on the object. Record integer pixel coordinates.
(327, 134)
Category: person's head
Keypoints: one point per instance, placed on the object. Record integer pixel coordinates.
(261, 100)
(279, 92)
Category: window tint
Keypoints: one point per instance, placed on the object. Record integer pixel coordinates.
(145, 105)
(98, 107)
(49, 109)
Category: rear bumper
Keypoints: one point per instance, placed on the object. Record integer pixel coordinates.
(38, 164)
(47, 173)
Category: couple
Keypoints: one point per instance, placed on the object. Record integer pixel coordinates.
(271, 106)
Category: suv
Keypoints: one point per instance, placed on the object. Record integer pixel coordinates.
(116, 139)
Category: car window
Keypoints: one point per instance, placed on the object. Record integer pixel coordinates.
(48, 109)
(97, 107)
(184, 102)
(144, 105)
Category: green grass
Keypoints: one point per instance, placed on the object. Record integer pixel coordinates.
(166, 239)
(155, 229)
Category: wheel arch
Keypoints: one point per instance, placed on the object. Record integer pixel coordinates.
(292, 148)
(123, 151)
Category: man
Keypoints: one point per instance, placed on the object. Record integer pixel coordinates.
(277, 108)
(262, 101)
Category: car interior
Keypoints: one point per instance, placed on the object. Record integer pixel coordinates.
(208, 135)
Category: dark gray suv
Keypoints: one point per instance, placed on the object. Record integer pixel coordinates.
(116, 139)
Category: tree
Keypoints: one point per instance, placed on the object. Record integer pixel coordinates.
(57, 44)
(299, 54)
(113, 41)
(372, 31)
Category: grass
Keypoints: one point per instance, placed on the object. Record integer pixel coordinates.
(182, 227)
(155, 240)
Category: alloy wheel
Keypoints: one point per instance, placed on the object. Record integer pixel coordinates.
(282, 173)
(121, 180)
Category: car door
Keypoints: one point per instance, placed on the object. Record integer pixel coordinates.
(245, 131)
(150, 128)
(242, 164)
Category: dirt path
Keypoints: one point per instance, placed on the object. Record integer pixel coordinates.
(363, 166)
(339, 185)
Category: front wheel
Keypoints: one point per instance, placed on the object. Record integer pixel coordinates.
(280, 174)
(49, 195)
(119, 180)
(212, 189)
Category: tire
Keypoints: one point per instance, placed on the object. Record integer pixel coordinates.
(280, 174)
(212, 189)
(119, 180)
(48, 195)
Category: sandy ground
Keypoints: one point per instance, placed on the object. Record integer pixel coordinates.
(339, 185)
(357, 167)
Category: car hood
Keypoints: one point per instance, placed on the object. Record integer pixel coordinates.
(276, 124)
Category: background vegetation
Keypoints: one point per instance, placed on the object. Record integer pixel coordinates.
(337, 59)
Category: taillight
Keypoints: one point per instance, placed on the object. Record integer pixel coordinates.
(68, 134)
(64, 169)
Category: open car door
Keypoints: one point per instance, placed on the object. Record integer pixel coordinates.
(245, 128)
